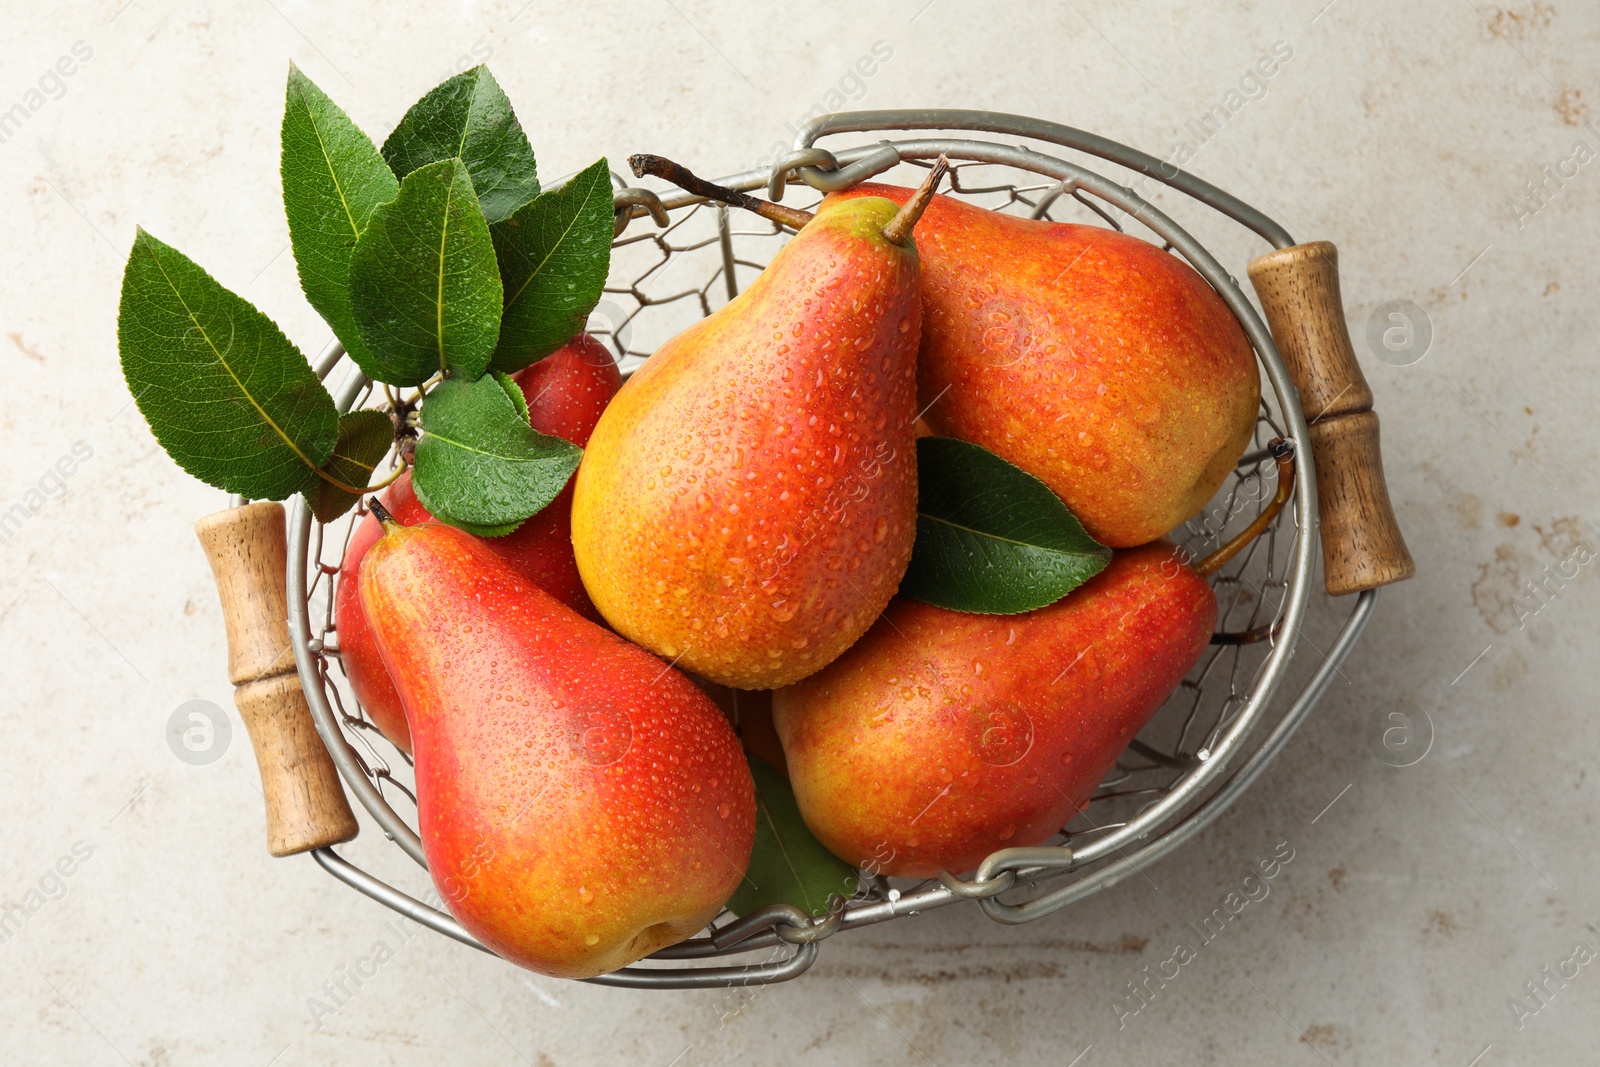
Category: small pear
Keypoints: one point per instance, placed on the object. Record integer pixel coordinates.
(581, 804)
(747, 504)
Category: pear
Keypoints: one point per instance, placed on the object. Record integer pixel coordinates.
(746, 505)
(566, 392)
(581, 804)
(942, 737)
(1095, 361)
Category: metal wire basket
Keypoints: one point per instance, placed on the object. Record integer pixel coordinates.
(675, 259)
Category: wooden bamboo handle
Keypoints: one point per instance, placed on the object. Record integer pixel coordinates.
(1362, 547)
(306, 806)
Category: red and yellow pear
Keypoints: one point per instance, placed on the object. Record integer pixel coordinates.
(581, 804)
(747, 504)
(1093, 360)
(942, 737)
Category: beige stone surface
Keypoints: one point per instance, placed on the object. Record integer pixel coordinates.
(1416, 907)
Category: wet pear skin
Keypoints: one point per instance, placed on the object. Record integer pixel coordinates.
(747, 504)
(1092, 359)
(580, 803)
(942, 737)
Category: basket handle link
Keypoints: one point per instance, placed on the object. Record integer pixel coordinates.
(817, 159)
(624, 201)
(814, 930)
(998, 872)
(787, 922)
(1362, 547)
(818, 168)
(979, 888)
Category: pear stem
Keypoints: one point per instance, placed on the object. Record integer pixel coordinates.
(1283, 453)
(389, 521)
(898, 229)
(683, 178)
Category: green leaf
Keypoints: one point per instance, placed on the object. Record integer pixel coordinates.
(520, 402)
(333, 180)
(554, 255)
(514, 391)
(479, 465)
(423, 282)
(490, 531)
(991, 538)
(787, 865)
(364, 439)
(225, 392)
(469, 118)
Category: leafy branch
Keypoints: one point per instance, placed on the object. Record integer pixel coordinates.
(395, 250)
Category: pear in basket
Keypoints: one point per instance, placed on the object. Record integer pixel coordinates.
(581, 804)
(942, 737)
(566, 391)
(1093, 360)
(747, 504)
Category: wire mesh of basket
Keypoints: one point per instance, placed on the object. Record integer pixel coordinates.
(677, 258)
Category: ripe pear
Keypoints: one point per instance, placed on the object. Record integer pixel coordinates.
(1095, 361)
(942, 737)
(747, 504)
(580, 803)
(566, 392)
(569, 389)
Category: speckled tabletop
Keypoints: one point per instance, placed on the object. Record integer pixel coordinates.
(1441, 913)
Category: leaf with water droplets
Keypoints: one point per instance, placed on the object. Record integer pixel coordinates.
(424, 288)
(553, 255)
(479, 465)
(991, 538)
(333, 180)
(468, 116)
(788, 865)
(364, 439)
(225, 392)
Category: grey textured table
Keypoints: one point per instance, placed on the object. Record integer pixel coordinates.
(1417, 908)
